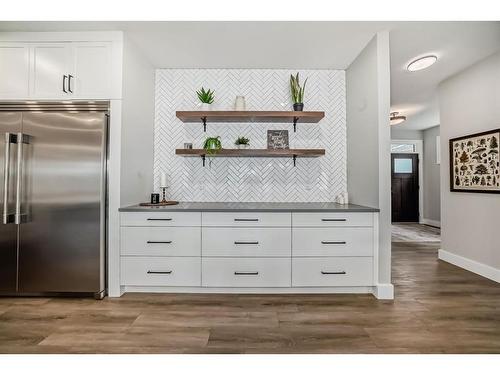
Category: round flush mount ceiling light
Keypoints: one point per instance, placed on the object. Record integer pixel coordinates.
(395, 119)
(421, 63)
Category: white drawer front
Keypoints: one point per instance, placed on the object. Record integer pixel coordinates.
(327, 242)
(160, 241)
(161, 219)
(160, 271)
(246, 219)
(246, 242)
(342, 271)
(332, 219)
(246, 272)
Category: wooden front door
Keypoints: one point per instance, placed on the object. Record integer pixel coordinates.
(404, 187)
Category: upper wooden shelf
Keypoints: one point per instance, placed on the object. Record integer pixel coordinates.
(250, 116)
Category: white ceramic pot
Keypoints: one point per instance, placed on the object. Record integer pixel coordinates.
(240, 104)
(206, 107)
(242, 147)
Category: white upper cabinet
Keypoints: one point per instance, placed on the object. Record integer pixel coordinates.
(51, 67)
(14, 70)
(92, 72)
(58, 70)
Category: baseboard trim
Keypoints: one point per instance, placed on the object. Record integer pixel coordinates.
(384, 291)
(285, 290)
(432, 223)
(470, 265)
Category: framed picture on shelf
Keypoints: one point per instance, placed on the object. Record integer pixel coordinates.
(475, 163)
(277, 140)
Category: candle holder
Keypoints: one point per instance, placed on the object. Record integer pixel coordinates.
(163, 194)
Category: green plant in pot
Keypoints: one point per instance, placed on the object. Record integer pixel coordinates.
(212, 146)
(297, 92)
(242, 143)
(206, 98)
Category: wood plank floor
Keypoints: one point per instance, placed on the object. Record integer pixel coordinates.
(438, 308)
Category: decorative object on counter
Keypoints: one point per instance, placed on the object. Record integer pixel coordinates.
(340, 199)
(346, 197)
(206, 98)
(166, 203)
(155, 198)
(212, 146)
(242, 143)
(277, 139)
(188, 146)
(163, 186)
(240, 104)
(475, 163)
(297, 92)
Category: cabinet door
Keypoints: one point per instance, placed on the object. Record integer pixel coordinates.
(14, 70)
(92, 71)
(51, 62)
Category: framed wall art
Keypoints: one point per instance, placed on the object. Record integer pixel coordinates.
(277, 139)
(475, 163)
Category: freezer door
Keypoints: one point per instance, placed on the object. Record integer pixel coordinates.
(62, 235)
(10, 125)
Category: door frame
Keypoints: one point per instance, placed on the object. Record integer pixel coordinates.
(419, 147)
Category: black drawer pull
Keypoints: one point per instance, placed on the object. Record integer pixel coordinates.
(246, 242)
(150, 219)
(333, 219)
(333, 242)
(160, 272)
(333, 273)
(246, 219)
(240, 273)
(159, 241)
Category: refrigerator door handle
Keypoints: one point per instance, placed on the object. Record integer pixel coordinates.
(9, 138)
(21, 140)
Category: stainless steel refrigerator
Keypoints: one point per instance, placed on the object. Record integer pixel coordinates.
(53, 159)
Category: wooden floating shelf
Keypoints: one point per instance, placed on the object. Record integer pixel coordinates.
(250, 116)
(255, 153)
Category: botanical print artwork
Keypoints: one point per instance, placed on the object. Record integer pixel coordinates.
(475, 163)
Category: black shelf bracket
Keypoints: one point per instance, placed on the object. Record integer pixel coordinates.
(203, 159)
(295, 119)
(204, 121)
(294, 159)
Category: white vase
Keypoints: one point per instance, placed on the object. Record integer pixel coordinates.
(206, 107)
(242, 147)
(240, 104)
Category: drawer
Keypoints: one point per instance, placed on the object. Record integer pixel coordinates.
(161, 219)
(341, 271)
(160, 241)
(246, 242)
(246, 272)
(325, 242)
(161, 271)
(333, 219)
(246, 219)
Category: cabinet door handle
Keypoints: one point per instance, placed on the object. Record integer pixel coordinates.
(69, 83)
(333, 219)
(246, 242)
(64, 83)
(159, 241)
(159, 272)
(241, 273)
(246, 219)
(333, 272)
(333, 242)
(153, 219)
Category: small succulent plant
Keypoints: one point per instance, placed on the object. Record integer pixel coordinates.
(242, 141)
(206, 96)
(296, 89)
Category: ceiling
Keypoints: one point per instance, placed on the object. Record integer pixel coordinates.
(309, 45)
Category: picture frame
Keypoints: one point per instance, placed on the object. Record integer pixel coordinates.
(475, 163)
(278, 140)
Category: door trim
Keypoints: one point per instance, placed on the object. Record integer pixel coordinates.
(419, 146)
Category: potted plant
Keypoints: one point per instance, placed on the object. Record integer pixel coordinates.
(297, 92)
(212, 146)
(242, 143)
(206, 98)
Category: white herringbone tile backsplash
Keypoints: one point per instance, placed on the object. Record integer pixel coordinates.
(251, 179)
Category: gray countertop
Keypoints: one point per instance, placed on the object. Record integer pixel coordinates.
(254, 206)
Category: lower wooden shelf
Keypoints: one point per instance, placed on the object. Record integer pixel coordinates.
(255, 153)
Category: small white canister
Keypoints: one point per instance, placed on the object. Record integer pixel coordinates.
(240, 104)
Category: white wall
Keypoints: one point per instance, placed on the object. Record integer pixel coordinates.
(470, 222)
(432, 184)
(406, 134)
(137, 126)
(368, 142)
